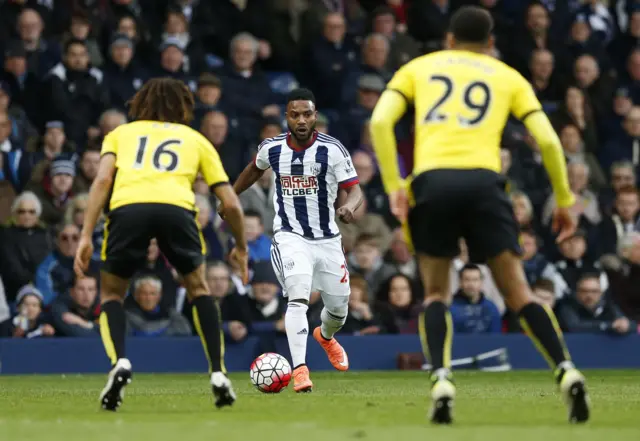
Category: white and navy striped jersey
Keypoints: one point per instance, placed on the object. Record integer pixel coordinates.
(307, 182)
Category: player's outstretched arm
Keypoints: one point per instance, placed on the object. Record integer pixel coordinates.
(98, 194)
(247, 178)
(554, 162)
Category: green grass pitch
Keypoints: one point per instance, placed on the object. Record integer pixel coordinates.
(514, 406)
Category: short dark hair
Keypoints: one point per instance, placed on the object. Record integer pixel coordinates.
(586, 276)
(253, 213)
(93, 147)
(74, 41)
(383, 10)
(545, 284)
(469, 267)
(301, 94)
(471, 24)
(210, 80)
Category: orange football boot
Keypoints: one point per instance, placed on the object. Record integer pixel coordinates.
(336, 353)
(301, 381)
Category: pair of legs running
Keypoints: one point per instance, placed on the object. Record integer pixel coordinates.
(333, 316)
(539, 322)
(207, 321)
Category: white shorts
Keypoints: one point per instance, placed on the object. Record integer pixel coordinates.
(322, 261)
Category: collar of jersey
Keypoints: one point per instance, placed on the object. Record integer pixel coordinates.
(309, 144)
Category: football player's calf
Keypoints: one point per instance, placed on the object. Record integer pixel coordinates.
(333, 316)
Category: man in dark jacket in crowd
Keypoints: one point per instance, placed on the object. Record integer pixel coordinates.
(55, 190)
(123, 75)
(78, 95)
(172, 62)
(76, 314)
(471, 311)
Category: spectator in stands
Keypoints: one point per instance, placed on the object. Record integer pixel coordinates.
(471, 311)
(127, 25)
(78, 95)
(233, 307)
(124, 75)
(245, 86)
(586, 209)
(576, 109)
(543, 292)
(34, 164)
(233, 152)
(625, 145)
(585, 40)
(21, 82)
(366, 260)
(522, 209)
(207, 96)
(266, 306)
(259, 198)
(30, 321)
(623, 175)
(592, 311)
(400, 255)
(80, 29)
(625, 41)
(109, 121)
(545, 79)
(7, 193)
(76, 314)
(371, 184)
(370, 87)
(76, 209)
(146, 317)
(614, 227)
(403, 47)
(21, 127)
(42, 55)
(375, 53)
(54, 276)
(176, 26)
(157, 266)
(87, 169)
(172, 62)
(612, 125)
(575, 151)
(6, 145)
(259, 243)
(489, 288)
(55, 190)
(360, 320)
(575, 263)
(25, 243)
(398, 305)
(536, 266)
(597, 86)
(214, 238)
(331, 58)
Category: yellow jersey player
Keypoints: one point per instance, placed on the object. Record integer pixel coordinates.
(144, 184)
(462, 98)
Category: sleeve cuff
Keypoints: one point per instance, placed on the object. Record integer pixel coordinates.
(349, 183)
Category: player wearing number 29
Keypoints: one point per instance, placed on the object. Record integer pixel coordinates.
(144, 183)
(306, 252)
(462, 98)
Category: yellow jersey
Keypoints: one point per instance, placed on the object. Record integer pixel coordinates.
(462, 101)
(157, 162)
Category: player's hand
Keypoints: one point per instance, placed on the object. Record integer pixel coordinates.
(399, 204)
(83, 256)
(240, 259)
(346, 214)
(563, 224)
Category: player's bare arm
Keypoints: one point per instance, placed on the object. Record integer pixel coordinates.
(355, 197)
(247, 178)
(540, 128)
(390, 108)
(98, 195)
(234, 215)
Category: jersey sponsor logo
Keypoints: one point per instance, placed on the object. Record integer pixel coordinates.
(299, 185)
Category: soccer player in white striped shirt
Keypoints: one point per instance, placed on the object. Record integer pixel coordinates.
(309, 168)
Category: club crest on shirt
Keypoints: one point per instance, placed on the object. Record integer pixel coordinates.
(316, 168)
(289, 264)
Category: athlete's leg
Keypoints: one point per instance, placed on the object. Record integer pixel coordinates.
(112, 330)
(541, 325)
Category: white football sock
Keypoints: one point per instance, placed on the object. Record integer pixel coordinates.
(331, 322)
(297, 327)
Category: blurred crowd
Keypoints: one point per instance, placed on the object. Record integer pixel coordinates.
(68, 68)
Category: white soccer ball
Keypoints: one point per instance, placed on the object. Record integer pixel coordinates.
(270, 373)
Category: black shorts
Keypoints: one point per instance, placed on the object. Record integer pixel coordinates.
(130, 228)
(472, 204)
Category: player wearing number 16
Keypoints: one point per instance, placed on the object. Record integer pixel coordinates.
(144, 184)
(462, 98)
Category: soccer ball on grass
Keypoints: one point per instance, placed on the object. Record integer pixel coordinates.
(270, 373)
